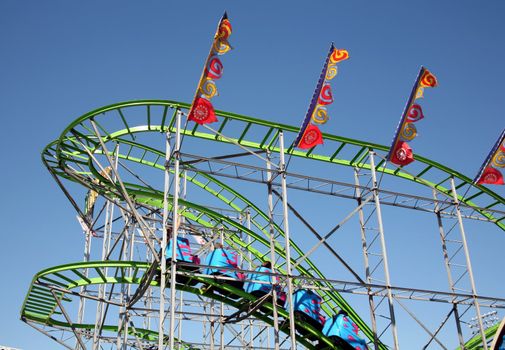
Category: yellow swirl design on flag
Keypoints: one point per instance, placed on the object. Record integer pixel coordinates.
(320, 115)
(409, 132)
(499, 160)
(331, 72)
(201, 110)
(208, 89)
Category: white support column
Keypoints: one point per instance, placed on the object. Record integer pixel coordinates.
(107, 237)
(448, 268)
(87, 253)
(364, 244)
(282, 169)
(163, 262)
(175, 227)
(272, 250)
(384, 251)
(469, 265)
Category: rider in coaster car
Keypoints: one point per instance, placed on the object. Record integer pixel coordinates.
(259, 285)
(184, 255)
(222, 262)
(343, 332)
(307, 309)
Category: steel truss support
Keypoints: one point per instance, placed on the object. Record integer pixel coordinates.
(106, 245)
(257, 174)
(175, 227)
(458, 265)
(375, 247)
(282, 173)
(273, 258)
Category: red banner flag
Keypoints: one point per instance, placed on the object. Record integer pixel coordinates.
(202, 111)
(309, 135)
(400, 153)
(490, 172)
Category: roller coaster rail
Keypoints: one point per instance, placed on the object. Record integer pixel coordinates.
(124, 152)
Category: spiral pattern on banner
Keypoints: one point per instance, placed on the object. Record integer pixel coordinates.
(339, 55)
(224, 29)
(419, 93)
(325, 97)
(320, 115)
(408, 133)
(428, 79)
(214, 68)
(331, 72)
(221, 46)
(415, 113)
(208, 89)
(499, 160)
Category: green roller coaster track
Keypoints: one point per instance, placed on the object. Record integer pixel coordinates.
(40, 304)
(71, 151)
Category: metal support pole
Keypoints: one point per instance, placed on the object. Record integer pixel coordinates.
(448, 268)
(146, 231)
(87, 252)
(107, 237)
(371, 302)
(175, 227)
(182, 222)
(469, 264)
(282, 172)
(272, 250)
(69, 321)
(163, 261)
(384, 252)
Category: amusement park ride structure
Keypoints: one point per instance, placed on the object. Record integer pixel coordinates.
(148, 172)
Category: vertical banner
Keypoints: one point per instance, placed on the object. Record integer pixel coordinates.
(400, 152)
(490, 172)
(309, 135)
(201, 110)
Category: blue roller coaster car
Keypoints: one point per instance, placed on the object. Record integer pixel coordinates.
(183, 253)
(221, 261)
(259, 284)
(183, 250)
(307, 308)
(344, 333)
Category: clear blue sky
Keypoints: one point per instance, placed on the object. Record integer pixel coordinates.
(60, 59)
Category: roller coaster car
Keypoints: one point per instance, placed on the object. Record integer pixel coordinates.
(260, 285)
(189, 261)
(221, 261)
(307, 309)
(344, 333)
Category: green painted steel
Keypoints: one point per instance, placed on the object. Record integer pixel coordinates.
(68, 150)
(67, 277)
(491, 198)
(154, 198)
(476, 342)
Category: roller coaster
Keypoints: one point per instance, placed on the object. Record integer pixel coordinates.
(150, 177)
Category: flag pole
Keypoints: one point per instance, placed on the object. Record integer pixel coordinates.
(410, 100)
(489, 156)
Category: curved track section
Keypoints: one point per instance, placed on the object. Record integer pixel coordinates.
(56, 285)
(338, 150)
(76, 156)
